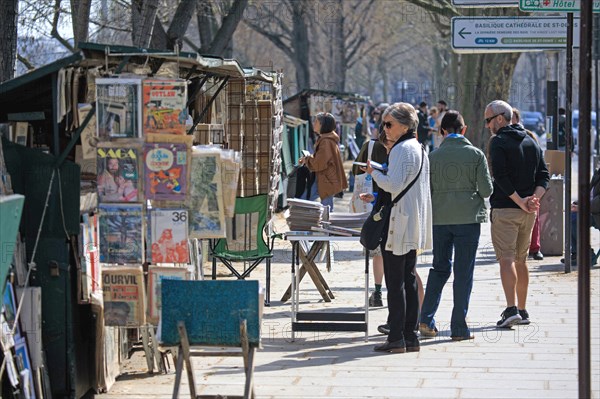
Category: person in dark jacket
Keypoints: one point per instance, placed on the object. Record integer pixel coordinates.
(520, 180)
(460, 180)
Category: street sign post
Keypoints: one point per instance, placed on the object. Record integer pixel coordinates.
(479, 3)
(508, 34)
(555, 5)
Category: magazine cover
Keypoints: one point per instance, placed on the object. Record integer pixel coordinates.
(207, 218)
(166, 171)
(118, 173)
(164, 109)
(169, 232)
(120, 231)
(155, 276)
(124, 296)
(118, 107)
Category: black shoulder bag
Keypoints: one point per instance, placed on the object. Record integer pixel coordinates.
(374, 227)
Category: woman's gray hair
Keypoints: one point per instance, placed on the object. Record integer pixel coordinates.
(499, 107)
(404, 113)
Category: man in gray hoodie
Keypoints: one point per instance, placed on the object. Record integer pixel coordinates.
(520, 180)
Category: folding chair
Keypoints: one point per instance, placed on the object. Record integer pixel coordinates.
(245, 240)
(210, 313)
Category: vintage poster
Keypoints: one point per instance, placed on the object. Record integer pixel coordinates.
(164, 108)
(24, 367)
(118, 173)
(120, 231)
(231, 162)
(118, 107)
(124, 296)
(90, 262)
(88, 135)
(169, 232)
(155, 276)
(207, 217)
(166, 171)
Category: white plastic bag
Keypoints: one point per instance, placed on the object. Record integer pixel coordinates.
(363, 183)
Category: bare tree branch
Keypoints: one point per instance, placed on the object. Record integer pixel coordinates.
(228, 27)
(54, 33)
(26, 62)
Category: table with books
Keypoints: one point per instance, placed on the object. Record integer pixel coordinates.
(309, 235)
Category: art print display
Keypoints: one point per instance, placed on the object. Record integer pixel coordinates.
(9, 310)
(24, 367)
(120, 231)
(164, 108)
(155, 276)
(124, 296)
(166, 171)
(90, 261)
(207, 218)
(169, 232)
(118, 178)
(118, 107)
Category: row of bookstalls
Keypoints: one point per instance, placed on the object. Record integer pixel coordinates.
(127, 159)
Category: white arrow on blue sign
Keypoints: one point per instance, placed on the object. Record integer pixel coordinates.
(506, 34)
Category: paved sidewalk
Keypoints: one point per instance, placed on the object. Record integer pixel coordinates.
(535, 361)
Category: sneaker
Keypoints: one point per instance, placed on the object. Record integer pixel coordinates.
(375, 300)
(524, 317)
(510, 317)
(537, 255)
(426, 331)
(384, 329)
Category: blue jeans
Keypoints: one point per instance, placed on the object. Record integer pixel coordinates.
(463, 239)
(314, 196)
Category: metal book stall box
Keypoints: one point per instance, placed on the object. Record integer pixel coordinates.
(105, 141)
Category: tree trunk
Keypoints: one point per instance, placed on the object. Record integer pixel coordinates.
(482, 85)
(143, 21)
(224, 36)
(338, 44)
(80, 10)
(8, 44)
(301, 44)
(206, 24)
(180, 22)
(385, 78)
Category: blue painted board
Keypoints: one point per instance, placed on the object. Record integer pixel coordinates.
(11, 207)
(211, 311)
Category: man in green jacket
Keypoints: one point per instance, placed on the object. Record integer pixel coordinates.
(460, 180)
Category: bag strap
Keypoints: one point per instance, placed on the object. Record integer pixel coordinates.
(414, 180)
(370, 149)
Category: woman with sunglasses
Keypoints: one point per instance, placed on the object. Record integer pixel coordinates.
(326, 161)
(409, 228)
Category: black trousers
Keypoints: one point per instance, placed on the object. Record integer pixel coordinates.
(403, 297)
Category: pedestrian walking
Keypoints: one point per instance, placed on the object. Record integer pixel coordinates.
(460, 180)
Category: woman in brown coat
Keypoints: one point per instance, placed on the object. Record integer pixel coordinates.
(326, 161)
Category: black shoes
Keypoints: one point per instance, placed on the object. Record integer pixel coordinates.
(510, 317)
(384, 329)
(392, 347)
(524, 317)
(537, 255)
(375, 300)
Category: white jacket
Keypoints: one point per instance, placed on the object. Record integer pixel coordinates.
(410, 219)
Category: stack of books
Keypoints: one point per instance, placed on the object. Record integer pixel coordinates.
(303, 215)
(348, 220)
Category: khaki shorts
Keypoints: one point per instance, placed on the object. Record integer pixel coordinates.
(511, 233)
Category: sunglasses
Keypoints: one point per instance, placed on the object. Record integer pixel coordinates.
(488, 120)
(386, 125)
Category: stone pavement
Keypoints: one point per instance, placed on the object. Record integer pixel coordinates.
(539, 360)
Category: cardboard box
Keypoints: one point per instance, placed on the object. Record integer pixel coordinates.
(556, 162)
(552, 219)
